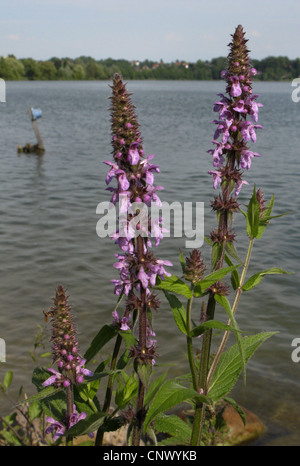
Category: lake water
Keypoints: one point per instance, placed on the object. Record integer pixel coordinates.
(48, 223)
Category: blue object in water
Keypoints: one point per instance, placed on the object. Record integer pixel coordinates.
(36, 113)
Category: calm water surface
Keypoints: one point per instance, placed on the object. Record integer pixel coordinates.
(48, 220)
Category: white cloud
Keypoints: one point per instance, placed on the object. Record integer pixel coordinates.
(13, 37)
(173, 37)
(254, 33)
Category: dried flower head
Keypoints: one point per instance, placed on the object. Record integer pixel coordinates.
(194, 267)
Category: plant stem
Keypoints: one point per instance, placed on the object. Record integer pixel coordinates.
(108, 394)
(189, 342)
(203, 370)
(234, 308)
(137, 429)
(70, 403)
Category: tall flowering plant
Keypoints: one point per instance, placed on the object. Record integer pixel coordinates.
(236, 128)
(68, 393)
(71, 371)
(138, 267)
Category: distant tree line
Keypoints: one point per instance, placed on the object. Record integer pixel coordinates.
(87, 68)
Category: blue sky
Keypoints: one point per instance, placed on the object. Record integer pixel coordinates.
(139, 29)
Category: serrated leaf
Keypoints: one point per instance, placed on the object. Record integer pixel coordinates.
(88, 425)
(42, 395)
(179, 311)
(253, 216)
(257, 277)
(144, 372)
(230, 365)
(174, 426)
(170, 394)
(173, 284)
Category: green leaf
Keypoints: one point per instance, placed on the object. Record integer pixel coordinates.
(104, 335)
(179, 312)
(225, 303)
(34, 410)
(174, 285)
(170, 394)
(8, 378)
(154, 387)
(230, 249)
(212, 278)
(53, 400)
(253, 215)
(238, 409)
(112, 424)
(256, 278)
(182, 261)
(216, 254)
(126, 392)
(144, 372)
(130, 341)
(42, 395)
(174, 426)
(200, 329)
(230, 365)
(88, 425)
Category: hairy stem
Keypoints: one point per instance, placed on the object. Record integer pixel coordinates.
(189, 342)
(203, 370)
(137, 429)
(70, 403)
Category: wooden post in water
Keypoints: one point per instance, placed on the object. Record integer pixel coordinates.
(40, 142)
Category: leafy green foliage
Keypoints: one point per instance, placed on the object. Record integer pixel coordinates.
(230, 365)
(212, 278)
(178, 431)
(105, 334)
(169, 395)
(257, 277)
(225, 303)
(175, 285)
(179, 312)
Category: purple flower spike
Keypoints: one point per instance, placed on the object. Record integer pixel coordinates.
(238, 116)
(65, 345)
(236, 127)
(138, 269)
